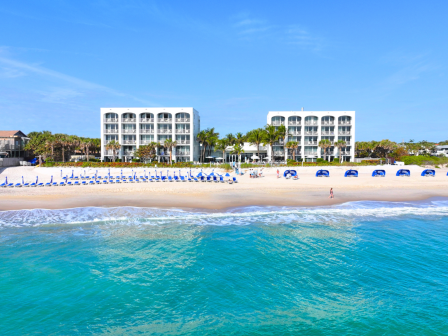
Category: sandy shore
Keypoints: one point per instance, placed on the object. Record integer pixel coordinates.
(266, 191)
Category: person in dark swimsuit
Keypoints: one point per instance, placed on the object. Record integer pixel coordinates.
(331, 193)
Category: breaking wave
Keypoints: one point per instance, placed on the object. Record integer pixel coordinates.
(351, 211)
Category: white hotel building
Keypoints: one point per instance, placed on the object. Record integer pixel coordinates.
(308, 128)
(133, 127)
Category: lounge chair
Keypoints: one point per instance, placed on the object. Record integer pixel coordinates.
(221, 179)
(209, 178)
(69, 183)
(41, 184)
(176, 178)
(182, 179)
(215, 179)
(18, 185)
(91, 182)
(76, 183)
(84, 183)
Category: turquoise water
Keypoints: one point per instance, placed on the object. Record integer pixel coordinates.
(365, 268)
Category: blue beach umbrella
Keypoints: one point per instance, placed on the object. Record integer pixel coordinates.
(227, 174)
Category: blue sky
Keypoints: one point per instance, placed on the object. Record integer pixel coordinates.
(234, 61)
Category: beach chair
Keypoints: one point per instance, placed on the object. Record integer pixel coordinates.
(215, 179)
(209, 179)
(41, 184)
(55, 184)
(234, 180)
(69, 183)
(18, 185)
(84, 183)
(176, 178)
(76, 183)
(105, 181)
(182, 179)
(221, 179)
(91, 182)
(98, 181)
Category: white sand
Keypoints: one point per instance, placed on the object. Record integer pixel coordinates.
(268, 190)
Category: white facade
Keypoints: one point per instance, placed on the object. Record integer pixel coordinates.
(308, 128)
(133, 127)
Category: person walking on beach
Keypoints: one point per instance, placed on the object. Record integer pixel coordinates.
(331, 193)
(278, 173)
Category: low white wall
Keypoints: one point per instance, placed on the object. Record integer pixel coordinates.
(10, 162)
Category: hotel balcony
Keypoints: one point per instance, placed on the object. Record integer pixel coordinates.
(344, 132)
(278, 123)
(146, 130)
(345, 122)
(165, 120)
(129, 131)
(328, 153)
(129, 120)
(295, 133)
(278, 153)
(145, 142)
(111, 120)
(311, 133)
(279, 142)
(147, 120)
(128, 153)
(327, 133)
(128, 142)
(327, 123)
(183, 142)
(183, 120)
(294, 123)
(310, 153)
(344, 152)
(111, 152)
(183, 153)
(310, 123)
(165, 131)
(183, 131)
(111, 131)
(9, 147)
(311, 143)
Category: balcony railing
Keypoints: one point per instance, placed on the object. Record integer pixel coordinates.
(111, 131)
(327, 153)
(311, 143)
(111, 152)
(294, 123)
(164, 131)
(327, 133)
(279, 153)
(145, 142)
(279, 142)
(345, 122)
(9, 147)
(310, 123)
(182, 119)
(311, 133)
(327, 123)
(278, 123)
(129, 119)
(344, 153)
(111, 120)
(167, 120)
(295, 133)
(310, 153)
(128, 142)
(182, 142)
(128, 152)
(180, 153)
(146, 130)
(183, 130)
(147, 120)
(344, 132)
(131, 131)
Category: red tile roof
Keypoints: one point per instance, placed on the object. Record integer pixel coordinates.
(7, 134)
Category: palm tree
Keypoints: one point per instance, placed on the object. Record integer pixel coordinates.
(324, 144)
(85, 144)
(255, 138)
(230, 139)
(202, 138)
(293, 145)
(113, 146)
(169, 145)
(239, 138)
(50, 143)
(270, 137)
(238, 149)
(212, 137)
(340, 144)
(221, 145)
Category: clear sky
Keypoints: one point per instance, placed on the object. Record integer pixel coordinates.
(234, 61)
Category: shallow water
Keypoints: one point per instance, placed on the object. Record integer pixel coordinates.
(363, 268)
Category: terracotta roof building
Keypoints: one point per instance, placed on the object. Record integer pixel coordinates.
(12, 143)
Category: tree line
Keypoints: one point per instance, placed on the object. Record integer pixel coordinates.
(386, 148)
(61, 146)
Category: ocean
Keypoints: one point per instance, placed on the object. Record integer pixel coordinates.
(360, 268)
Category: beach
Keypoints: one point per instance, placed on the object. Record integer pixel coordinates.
(308, 190)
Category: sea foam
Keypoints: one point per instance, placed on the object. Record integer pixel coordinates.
(365, 210)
